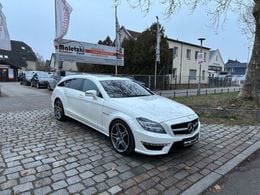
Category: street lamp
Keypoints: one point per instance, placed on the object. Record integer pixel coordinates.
(157, 51)
(200, 61)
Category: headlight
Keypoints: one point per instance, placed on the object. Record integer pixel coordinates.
(149, 125)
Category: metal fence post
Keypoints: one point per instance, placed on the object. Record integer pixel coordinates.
(149, 81)
(187, 93)
(175, 83)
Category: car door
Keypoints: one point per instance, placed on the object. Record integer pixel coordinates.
(73, 95)
(91, 108)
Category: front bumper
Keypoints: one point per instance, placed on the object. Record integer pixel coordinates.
(158, 144)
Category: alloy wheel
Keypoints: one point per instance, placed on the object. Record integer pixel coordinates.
(120, 137)
(58, 110)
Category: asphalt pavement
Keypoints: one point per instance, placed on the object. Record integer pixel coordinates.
(243, 180)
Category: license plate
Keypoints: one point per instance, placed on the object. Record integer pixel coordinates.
(190, 141)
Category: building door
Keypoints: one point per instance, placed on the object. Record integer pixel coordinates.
(4, 74)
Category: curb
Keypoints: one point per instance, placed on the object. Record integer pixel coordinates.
(213, 177)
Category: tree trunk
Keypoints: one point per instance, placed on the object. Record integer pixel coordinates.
(251, 88)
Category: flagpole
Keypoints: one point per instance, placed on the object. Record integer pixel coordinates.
(56, 62)
(116, 39)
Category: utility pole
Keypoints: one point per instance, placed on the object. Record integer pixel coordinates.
(157, 59)
(201, 59)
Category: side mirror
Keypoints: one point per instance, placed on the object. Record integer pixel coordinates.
(92, 93)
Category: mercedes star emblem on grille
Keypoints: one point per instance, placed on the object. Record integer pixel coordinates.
(190, 128)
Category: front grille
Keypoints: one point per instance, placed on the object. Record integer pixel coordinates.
(185, 128)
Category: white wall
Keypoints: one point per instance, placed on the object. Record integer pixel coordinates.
(183, 65)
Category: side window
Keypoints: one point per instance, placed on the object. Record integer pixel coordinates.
(76, 84)
(90, 85)
(65, 83)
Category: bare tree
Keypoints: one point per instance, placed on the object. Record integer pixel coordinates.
(249, 12)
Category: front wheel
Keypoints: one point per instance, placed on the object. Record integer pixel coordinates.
(121, 137)
(58, 110)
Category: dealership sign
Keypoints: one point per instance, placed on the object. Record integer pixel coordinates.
(75, 51)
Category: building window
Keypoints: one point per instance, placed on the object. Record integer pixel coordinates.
(216, 58)
(196, 55)
(5, 56)
(23, 48)
(188, 53)
(205, 57)
(192, 75)
(1, 56)
(203, 75)
(175, 52)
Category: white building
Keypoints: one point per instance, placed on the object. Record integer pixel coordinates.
(65, 66)
(185, 68)
(216, 63)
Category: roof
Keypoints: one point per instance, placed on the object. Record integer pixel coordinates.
(235, 64)
(19, 54)
(186, 43)
(97, 77)
(134, 34)
(130, 33)
(212, 53)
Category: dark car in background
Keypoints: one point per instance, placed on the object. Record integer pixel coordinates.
(41, 79)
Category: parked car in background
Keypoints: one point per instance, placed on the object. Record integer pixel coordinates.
(20, 76)
(55, 79)
(134, 118)
(52, 82)
(27, 77)
(41, 79)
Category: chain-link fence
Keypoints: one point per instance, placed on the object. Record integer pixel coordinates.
(166, 82)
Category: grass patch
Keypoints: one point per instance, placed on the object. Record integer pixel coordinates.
(223, 108)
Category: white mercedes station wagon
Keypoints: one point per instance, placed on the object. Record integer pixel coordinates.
(133, 117)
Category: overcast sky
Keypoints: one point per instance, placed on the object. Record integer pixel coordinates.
(32, 21)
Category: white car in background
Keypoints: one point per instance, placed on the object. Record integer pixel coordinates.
(134, 118)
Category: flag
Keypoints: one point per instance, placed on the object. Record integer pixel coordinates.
(158, 41)
(62, 14)
(118, 42)
(4, 35)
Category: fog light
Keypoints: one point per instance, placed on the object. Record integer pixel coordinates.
(152, 146)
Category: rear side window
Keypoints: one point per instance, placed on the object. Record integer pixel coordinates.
(76, 84)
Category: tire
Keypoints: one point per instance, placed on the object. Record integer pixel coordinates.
(121, 137)
(49, 87)
(59, 110)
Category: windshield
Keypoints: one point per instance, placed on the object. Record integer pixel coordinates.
(44, 75)
(124, 88)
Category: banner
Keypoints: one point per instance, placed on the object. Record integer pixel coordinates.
(200, 58)
(5, 43)
(75, 51)
(62, 14)
(118, 41)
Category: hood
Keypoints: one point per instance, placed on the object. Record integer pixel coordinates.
(153, 107)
